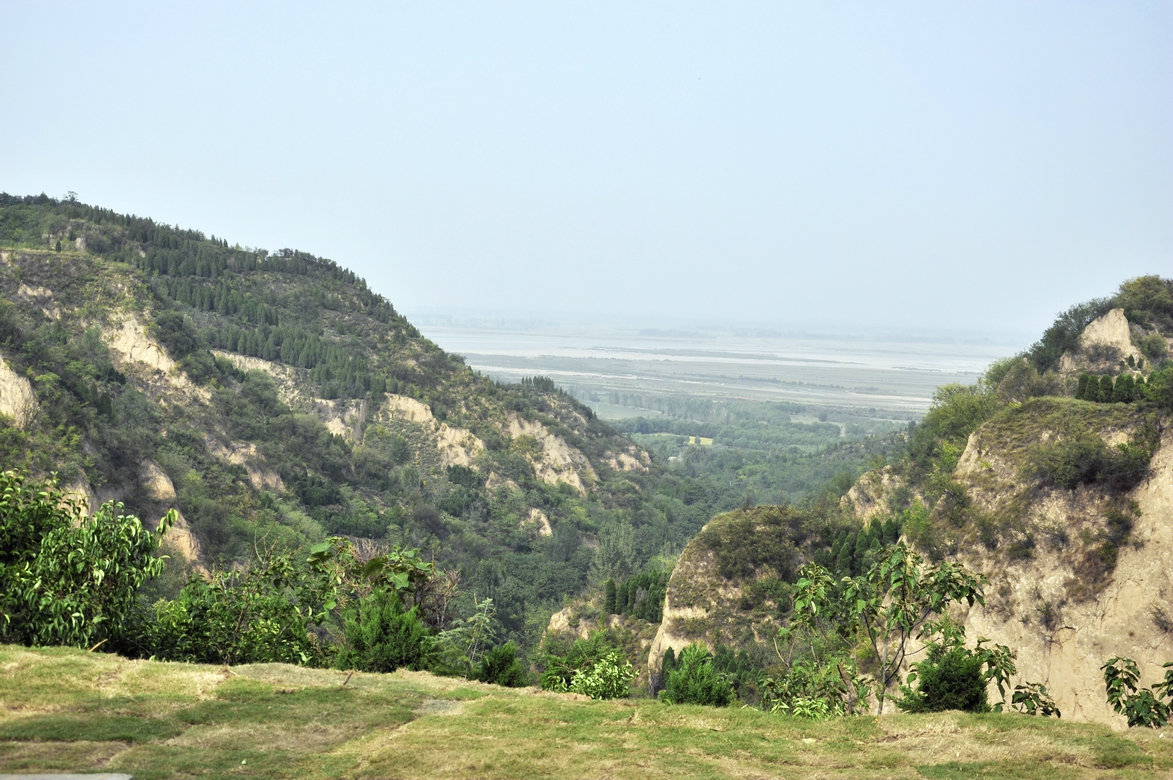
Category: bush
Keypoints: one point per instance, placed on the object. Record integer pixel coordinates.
(812, 690)
(232, 617)
(500, 666)
(696, 681)
(592, 667)
(65, 578)
(950, 679)
(607, 678)
(381, 636)
(1154, 347)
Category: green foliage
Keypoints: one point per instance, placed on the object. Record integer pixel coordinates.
(1084, 458)
(501, 666)
(936, 444)
(244, 615)
(1141, 706)
(695, 680)
(592, 667)
(1063, 335)
(811, 691)
(67, 578)
(381, 636)
(1159, 388)
(765, 537)
(1147, 300)
(853, 550)
(280, 606)
(1154, 346)
(1017, 379)
(950, 678)
(610, 597)
(642, 595)
(460, 649)
(608, 677)
(900, 598)
(1033, 699)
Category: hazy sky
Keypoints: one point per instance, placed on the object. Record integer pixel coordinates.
(964, 165)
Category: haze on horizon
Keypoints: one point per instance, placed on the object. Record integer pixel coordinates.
(901, 164)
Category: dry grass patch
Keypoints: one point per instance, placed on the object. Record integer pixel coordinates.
(66, 710)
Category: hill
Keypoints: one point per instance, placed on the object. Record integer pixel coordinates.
(1051, 476)
(68, 710)
(275, 400)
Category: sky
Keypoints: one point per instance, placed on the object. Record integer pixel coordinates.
(967, 166)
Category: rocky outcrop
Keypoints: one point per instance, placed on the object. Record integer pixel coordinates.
(17, 399)
(137, 351)
(720, 589)
(538, 523)
(870, 496)
(632, 460)
(1103, 345)
(1040, 605)
(555, 461)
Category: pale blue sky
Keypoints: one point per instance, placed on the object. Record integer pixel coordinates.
(966, 165)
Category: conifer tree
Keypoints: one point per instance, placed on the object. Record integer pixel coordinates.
(1081, 387)
(1107, 388)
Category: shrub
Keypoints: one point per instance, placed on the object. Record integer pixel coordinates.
(607, 678)
(696, 681)
(1154, 347)
(949, 679)
(1069, 462)
(813, 690)
(591, 666)
(501, 666)
(232, 617)
(381, 636)
(67, 578)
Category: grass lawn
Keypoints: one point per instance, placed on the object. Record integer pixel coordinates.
(70, 711)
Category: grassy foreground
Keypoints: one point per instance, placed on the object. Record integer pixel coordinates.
(68, 710)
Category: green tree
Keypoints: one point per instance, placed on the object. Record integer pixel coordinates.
(1159, 387)
(501, 666)
(460, 649)
(1123, 392)
(67, 578)
(609, 597)
(694, 680)
(381, 636)
(1107, 388)
(950, 678)
(899, 599)
(1081, 386)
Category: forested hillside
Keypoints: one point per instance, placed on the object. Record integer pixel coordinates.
(275, 400)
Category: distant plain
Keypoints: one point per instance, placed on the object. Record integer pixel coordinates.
(617, 370)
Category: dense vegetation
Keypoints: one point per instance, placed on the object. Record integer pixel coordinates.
(207, 302)
(759, 452)
(251, 459)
